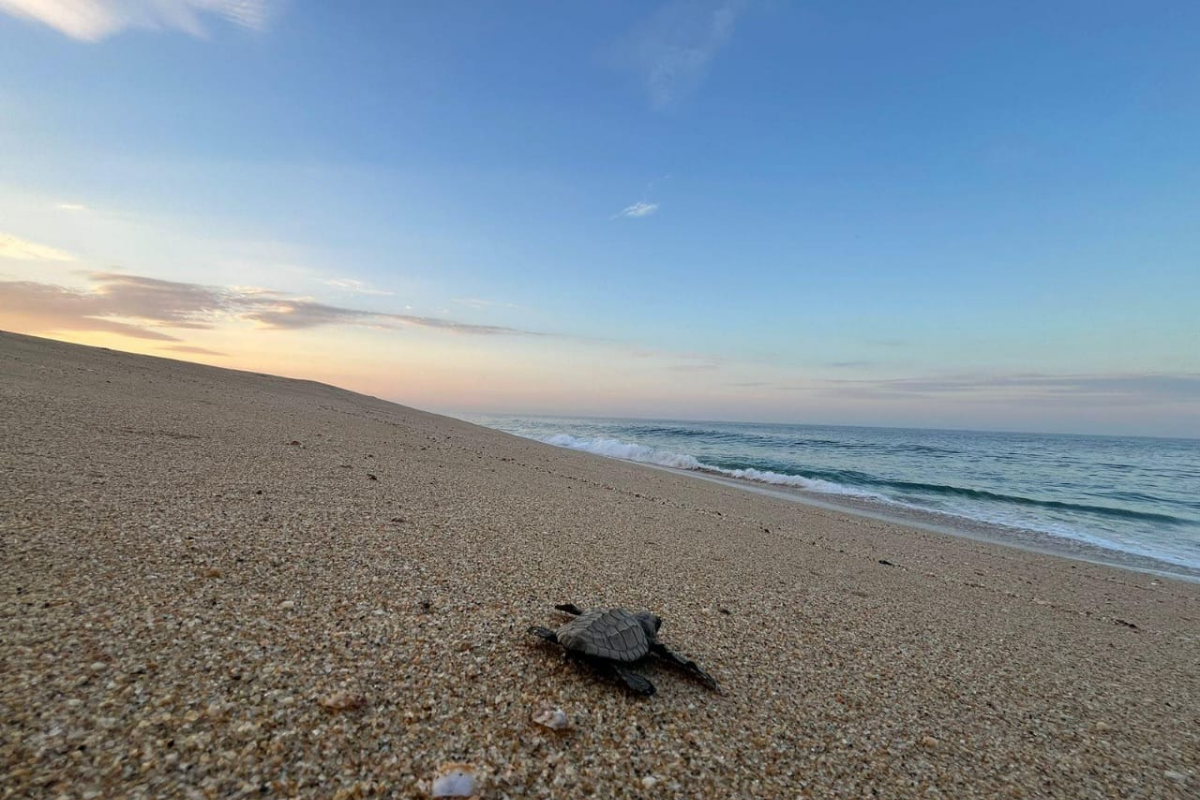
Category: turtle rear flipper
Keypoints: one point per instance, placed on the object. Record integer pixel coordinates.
(635, 682)
(569, 608)
(686, 664)
(545, 633)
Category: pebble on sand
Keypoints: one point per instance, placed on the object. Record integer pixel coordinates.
(553, 718)
(454, 780)
(342, 701)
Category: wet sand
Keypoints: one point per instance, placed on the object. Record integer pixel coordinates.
(221, 584)
(953, 525)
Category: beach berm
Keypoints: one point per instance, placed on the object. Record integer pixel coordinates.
(226, 584)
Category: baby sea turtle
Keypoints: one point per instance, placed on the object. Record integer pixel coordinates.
(616, 638)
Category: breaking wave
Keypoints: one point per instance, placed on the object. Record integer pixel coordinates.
(630, 451)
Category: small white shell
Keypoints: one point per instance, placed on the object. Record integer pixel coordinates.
(454, 780)
(553, 718)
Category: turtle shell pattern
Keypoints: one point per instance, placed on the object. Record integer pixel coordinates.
(611, 633)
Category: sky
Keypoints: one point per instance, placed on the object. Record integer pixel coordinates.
(931, 214)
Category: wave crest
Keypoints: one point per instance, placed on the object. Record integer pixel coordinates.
(629, 451)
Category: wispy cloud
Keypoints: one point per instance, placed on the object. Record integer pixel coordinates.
(355, 286)
(671, 51)
(146, 308)
(93, 20)
(42, 308)
(696, 362)
(696, 366)
(638, 209)
(1012, 389)
(479, 302)
(199, 351)
(69, 206)
(1128, 388)
(678, 361)
(25, 250)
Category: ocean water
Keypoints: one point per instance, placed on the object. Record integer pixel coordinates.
(1122, 496)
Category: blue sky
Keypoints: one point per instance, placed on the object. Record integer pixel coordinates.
(937, 214)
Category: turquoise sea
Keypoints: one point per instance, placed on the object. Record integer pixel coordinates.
(1128, 500)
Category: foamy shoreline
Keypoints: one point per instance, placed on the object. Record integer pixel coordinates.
(1072, 543)
(956, 525)
(202, 568)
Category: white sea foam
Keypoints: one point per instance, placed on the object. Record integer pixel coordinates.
(1061, 530)
(629, 451)
(614, 448)
(1031, 500)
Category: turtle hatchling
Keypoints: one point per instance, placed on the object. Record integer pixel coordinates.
(615, 639)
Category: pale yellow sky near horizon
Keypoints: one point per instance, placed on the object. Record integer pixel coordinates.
(645, 229)
(417, 365)
(448, 365)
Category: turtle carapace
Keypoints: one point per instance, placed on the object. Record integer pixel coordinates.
(617, 638)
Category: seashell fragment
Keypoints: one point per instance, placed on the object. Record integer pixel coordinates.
(454, 780)
(553, 718)
(342, 701)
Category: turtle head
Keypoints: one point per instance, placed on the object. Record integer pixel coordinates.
(650, 622)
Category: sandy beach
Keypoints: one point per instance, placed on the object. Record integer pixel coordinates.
(224, 584)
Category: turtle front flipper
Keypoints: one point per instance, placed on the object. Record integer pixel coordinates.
(635, 682)
(545, 633)
(569, 608)
(686, 664)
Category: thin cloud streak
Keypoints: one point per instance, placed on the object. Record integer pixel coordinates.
(481, 303)
(93, 20)
(42, 308)
(199, 351)
(165, 303)
(355, 286)
(132, 305)
(638, 209)
(671, 51)
(699, 366)
(1119, 388)
(1128, 389)
(25, 250)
